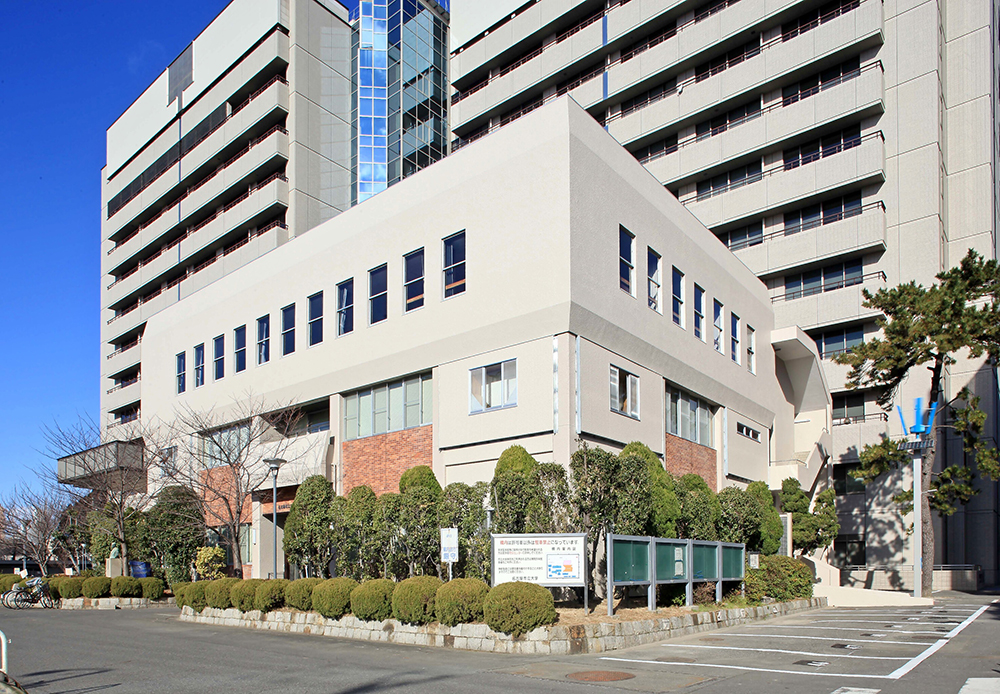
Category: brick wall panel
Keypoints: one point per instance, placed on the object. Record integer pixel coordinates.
(681, 457)
(379, 461)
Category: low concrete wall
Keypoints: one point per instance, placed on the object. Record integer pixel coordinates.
(112, 603)
(552, 640)
(902, 579)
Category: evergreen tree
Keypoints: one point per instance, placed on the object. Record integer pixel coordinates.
(308, 538)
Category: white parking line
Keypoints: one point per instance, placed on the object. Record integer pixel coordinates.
(906, 623)
(981, 685)
(752, 669)
(778, 650)
(826, 638)
(894, 631)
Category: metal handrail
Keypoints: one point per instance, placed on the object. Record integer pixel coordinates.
(793, 231)
(126, 347)
(828, 287)
(858, 419)
(124, 384)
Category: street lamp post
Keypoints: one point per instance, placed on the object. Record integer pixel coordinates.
(273, 464)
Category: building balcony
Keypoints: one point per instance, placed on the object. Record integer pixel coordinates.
(850, 436)
(852, 98)
(776, 186)
(86, 468)
(858, 28)
(125, 357)
(120, 396)
(837, 304)
(780, 250)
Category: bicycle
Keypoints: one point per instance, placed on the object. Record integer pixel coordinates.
(35, 591)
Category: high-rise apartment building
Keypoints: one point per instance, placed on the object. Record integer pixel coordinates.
(400, 91)
(832, 146)
(248, 140)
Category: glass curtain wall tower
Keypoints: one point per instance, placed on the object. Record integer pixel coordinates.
(399, 98)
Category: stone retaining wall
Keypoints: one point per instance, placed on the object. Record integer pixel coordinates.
(551, 640)
(112, 603)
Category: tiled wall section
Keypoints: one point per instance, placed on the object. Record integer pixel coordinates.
(379, 461)
(682, 456)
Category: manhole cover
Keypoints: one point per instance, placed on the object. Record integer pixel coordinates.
(677, 659)
(599, 676)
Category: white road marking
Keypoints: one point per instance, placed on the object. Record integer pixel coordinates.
(981, 685)
(826, 638)
(795, 626)
(750, 669)
(903, 669)
(909, 621)
(973, 617)
(855, 690)
(778, 650)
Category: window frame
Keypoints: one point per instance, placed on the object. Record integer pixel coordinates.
(677, 297)
(288, 331)
(653, 280)
(632, 392)
(239, 353)
(378, 299)
(719, 326)
(626, 265)
(314, 321)
(218, 357)
(416, 282)
(481, 406)
(748, 432)
(199, 365)
(264, 340)
(751, 348)
(459, 286)
(699, 312)
(675, 400)
(180, 368)
(735, 325)
(420, 407)
(345, 309)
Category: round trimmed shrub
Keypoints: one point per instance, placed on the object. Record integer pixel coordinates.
(517, 608)
(420, 476)
(152, 588)
(8, 581)
(126, 587)
(96, 587)
(332, 598)
(180, 591)
(194, 596)
(372, 600)
(299, 594)
(53, 584)
(780, 578)
(243, 594)
(413, 599)
(71, 587)
(461, 601)
(218, 592)
(271, 594)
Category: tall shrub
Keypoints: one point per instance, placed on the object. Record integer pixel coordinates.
(740, 517)
(666, 509)
(419, 535)
(211, 563)
(307, 534)
(700, 509)
(771, 528)
(462, 508)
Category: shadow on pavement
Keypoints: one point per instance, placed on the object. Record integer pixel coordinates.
(44, 678)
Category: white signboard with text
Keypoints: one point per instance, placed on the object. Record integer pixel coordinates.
(449, 545)
(548, 560)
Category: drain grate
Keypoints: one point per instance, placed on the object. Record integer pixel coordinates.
(599, 676)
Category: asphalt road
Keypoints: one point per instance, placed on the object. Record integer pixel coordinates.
(954, 647)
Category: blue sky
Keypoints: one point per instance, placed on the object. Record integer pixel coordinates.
(69, 70)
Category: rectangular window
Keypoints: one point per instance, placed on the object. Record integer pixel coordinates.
(454, 264)
(849, 550)
(219, 357)
(653, 279)
(378, 295)
(689, 417)
(345, 307)
(181, 372)
(699, 313)
(718, 339)
(199, 365)
(677, 289)
(626, 266)
(743, 430)
(492, 387)
(287, 330)
(734, 337)
(827, 279)
(848, 409)
(834, 342)
(844, 482)
(624, 392)
(240, 348)
(263, 340)
(315, 319)
(751, 350)
(387, 407)
(413, 280)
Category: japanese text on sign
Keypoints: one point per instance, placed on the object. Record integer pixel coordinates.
(548, 560)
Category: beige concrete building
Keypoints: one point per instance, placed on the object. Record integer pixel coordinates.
(833, 147)
(451, 318)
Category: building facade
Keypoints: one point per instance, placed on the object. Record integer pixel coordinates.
(832, 146)
(465, 331)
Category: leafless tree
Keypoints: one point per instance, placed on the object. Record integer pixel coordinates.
(220, 455)
(31, 518)
(106, 472)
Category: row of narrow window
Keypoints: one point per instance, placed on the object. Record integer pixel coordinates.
(378, 311)
(809, 217)
(626, 280)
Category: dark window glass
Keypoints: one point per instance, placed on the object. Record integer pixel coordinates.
(849, 407)
(181, 372)
(219, 355)
(263, 340)
(413, 279)
(454, 264)
(378, 298)
(240, 348)
(844, 482)
(315, 319)
(288, 330)
(199, 366)
(345, 307)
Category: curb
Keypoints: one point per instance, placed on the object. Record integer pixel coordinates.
(549, 640)
(112, 603)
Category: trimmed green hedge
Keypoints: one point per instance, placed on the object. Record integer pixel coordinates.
(54, 582)
(8, 581)
(299, 594)
(332, 598)
(243, 594)
(372, 600)
(126, 587)
(461, 601)
(517, 608)
(218, 592)
(271, 594)
(180, 592)
(413, 599)
(194, 596)
(780, 578)
(152, 588)
(96, 587)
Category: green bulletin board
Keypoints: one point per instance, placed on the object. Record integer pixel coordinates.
(670, 562)
(732, 562)
(631, 561)
(704, 560)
